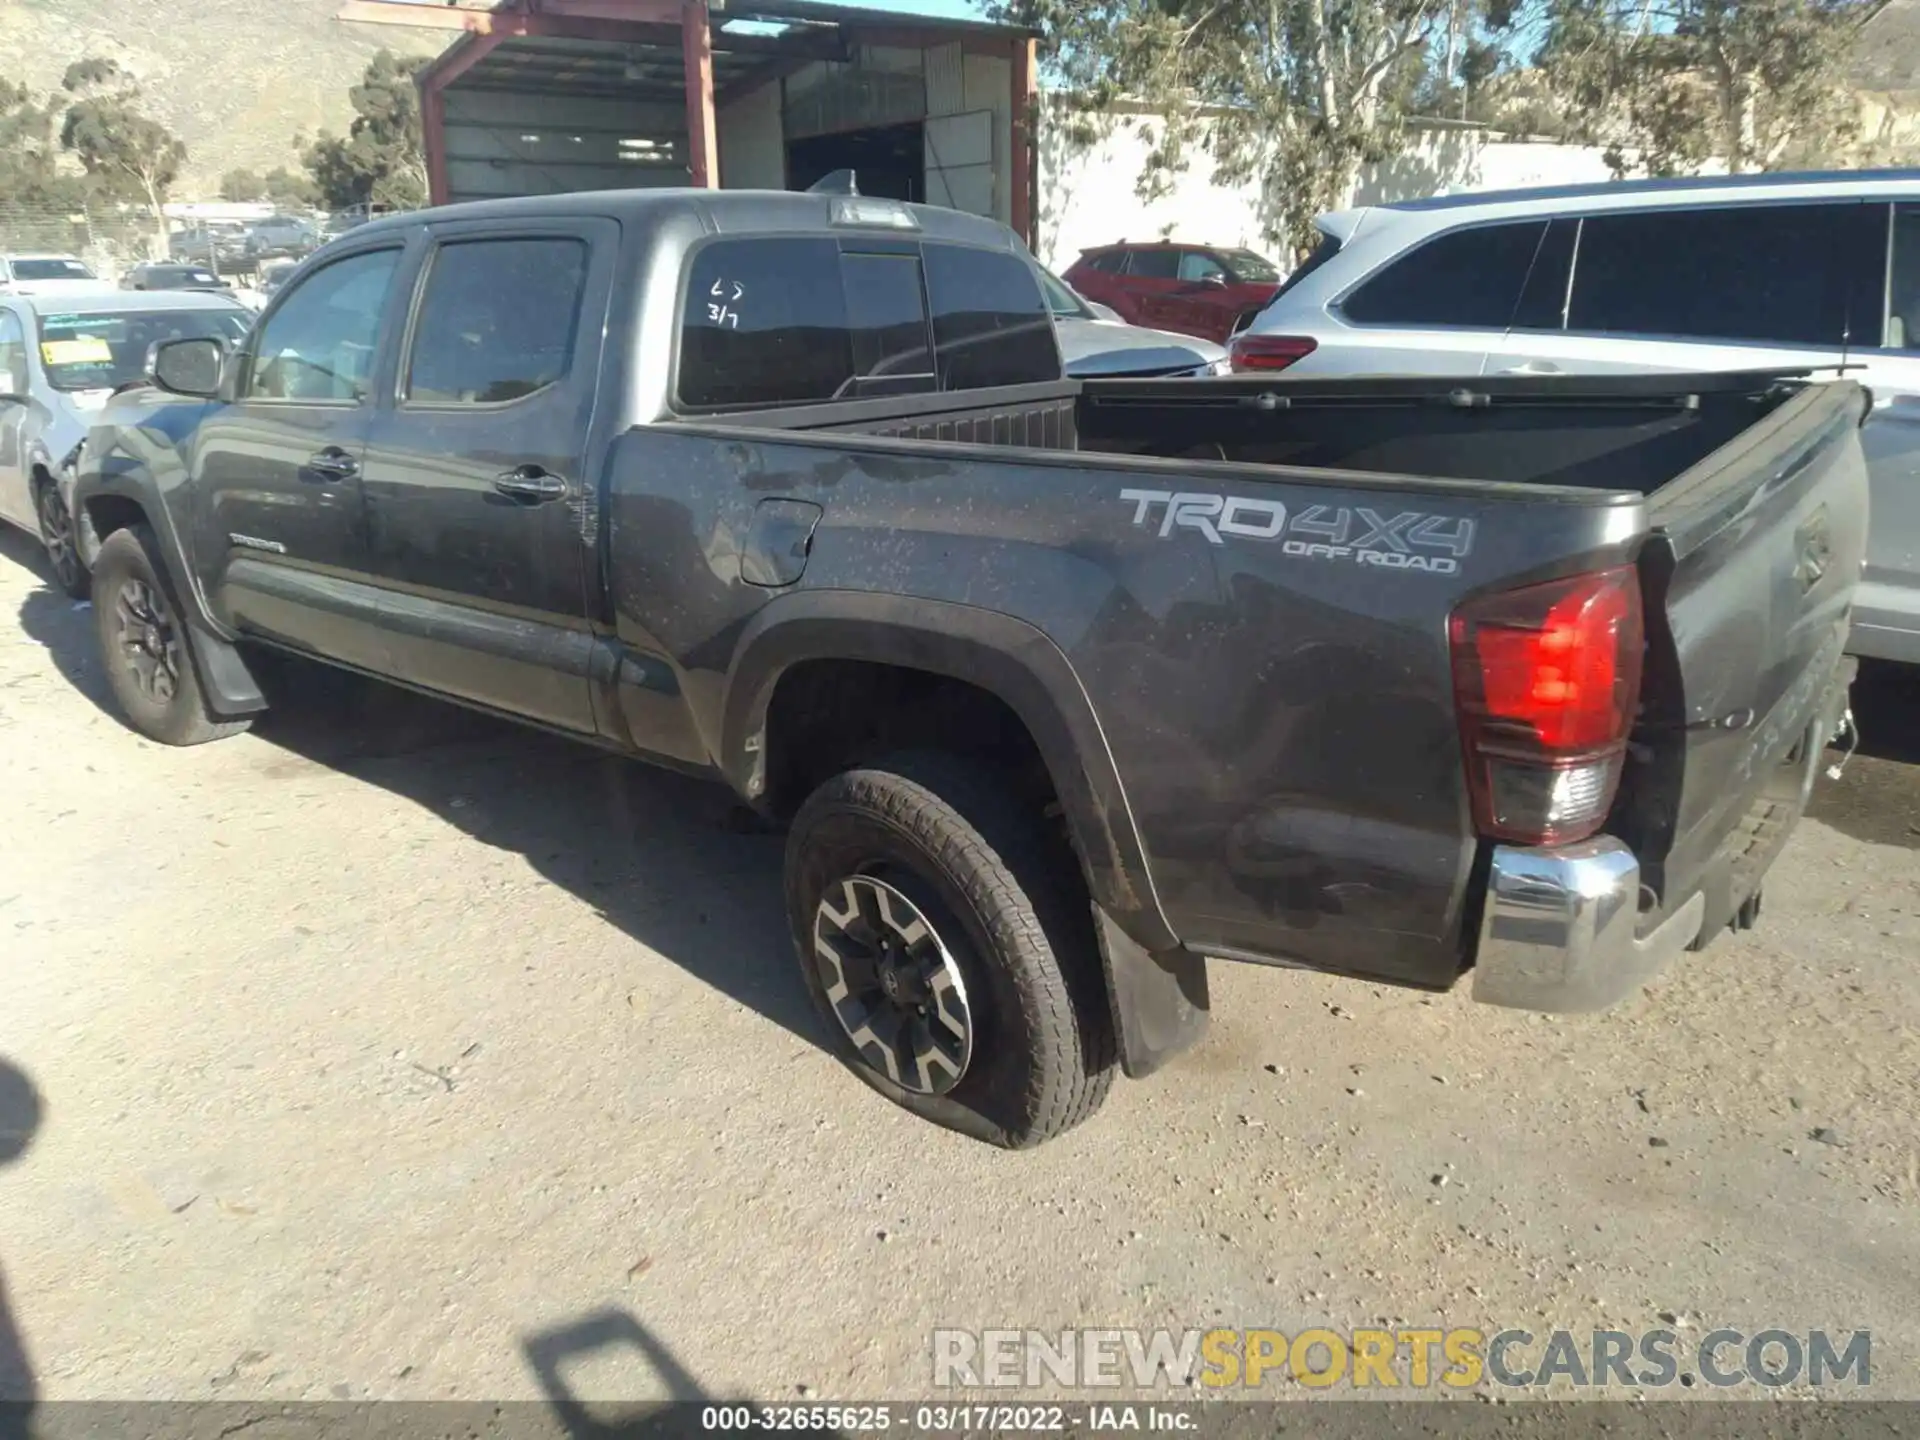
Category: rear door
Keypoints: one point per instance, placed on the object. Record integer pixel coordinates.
(1750, 287)
(1146, 290)
(277, 471)
(1208, 299)
(1886, 359)
(15, 380)
(480, 526)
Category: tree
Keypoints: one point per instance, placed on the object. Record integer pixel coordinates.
(288, 190)
(1292, 95)
(38, 202)
(30, 150)
(126, 154)
(237, 187)
(1668, 85)
(381, 159)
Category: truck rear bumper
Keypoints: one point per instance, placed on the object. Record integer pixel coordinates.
(1560, 928)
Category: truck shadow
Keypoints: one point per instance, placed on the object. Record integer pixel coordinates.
(21, 1110)
(671, 861)
(1877, 797)
(665, 858)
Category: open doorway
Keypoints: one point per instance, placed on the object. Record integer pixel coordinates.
(887, 160)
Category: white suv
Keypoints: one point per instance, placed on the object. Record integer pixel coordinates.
(1734, 273)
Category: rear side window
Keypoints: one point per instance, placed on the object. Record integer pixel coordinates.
(1108, 262)
(765, 324)
(498, 320)
(1779, 273)
(1197, 266)
(1469, 277)
(1328, 247)
(1158, 264)
(1543, 299)
(991, 325)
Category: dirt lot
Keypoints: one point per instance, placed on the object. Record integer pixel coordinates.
(391, 1052)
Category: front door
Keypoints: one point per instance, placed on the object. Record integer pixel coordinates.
(282, 522)
(479, 502)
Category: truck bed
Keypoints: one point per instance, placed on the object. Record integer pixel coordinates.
(1280, 700)
(1627, 434)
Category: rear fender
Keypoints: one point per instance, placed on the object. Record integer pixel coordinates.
(995, 652)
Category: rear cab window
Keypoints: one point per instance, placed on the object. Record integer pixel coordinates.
(796, 320)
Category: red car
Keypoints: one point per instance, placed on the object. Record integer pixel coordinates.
(1195, 289)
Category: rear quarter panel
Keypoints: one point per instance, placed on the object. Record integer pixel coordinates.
(1282, 722)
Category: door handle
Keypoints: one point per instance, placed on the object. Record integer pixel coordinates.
(333, 463)
(1532, 367)
(531, 482)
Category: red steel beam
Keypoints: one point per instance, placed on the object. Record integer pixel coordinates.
(703, 142)
(465, 53)
(1026, 121)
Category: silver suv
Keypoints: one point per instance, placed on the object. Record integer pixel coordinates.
(1744, 272)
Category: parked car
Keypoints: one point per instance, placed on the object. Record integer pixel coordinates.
(281, 237)
(1059, 686)
(61, 357)
(272, 275)
(1192, 289)
(166, 275)
(46, 275)
(1781, 271)
(1097, 342)
(215, 246)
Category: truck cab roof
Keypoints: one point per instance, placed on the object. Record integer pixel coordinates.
(730, 211)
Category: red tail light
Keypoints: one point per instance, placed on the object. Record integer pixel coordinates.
(1547, 679)
(1270, 352)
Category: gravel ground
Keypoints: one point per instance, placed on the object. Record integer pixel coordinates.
(390, 1052)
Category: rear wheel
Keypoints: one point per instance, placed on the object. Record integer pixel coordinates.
(947, 941)
(58, 535)
(143, 644)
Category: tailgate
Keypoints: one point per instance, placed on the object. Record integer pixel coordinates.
(1749, 578)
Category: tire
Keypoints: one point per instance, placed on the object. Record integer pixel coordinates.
(1010, 921)
(58, 534)
(143, 645)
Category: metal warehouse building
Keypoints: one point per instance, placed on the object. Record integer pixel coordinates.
(538, 96)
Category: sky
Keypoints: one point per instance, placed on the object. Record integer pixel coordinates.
(947, 9)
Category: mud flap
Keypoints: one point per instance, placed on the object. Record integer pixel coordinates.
(229, 686)
(1160, 1002)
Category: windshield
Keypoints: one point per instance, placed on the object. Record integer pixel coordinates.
(102, 352)
(1251, 267)
(1060, 300)
(50, 270)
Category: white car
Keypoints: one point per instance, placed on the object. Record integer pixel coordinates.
(1749, 272)
(61, 359)
(1096, 341)
(46, 275)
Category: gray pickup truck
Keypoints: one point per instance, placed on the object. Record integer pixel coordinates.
(1060, 687)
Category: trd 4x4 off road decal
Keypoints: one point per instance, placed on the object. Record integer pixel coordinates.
(1357, 535)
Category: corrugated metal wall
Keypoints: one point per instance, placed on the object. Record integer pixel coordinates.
(505, 143)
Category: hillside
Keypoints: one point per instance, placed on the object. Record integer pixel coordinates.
(235, 79)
